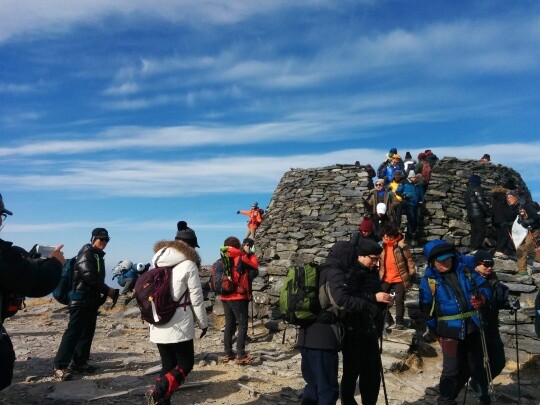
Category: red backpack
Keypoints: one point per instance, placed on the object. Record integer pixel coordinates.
(153, 294)
(426, 172)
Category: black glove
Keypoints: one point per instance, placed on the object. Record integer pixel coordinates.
(238, 212)
(203, 332)
(514, 303)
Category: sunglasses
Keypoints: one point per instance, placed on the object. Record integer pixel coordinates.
(488, 263)
(374, 257)
(378, 184)
(104, 239)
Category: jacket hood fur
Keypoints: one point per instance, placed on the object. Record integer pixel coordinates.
(189, 252)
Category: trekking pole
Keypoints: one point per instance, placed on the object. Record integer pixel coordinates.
(485, 355)
(517, 354)
(466, 389)
(380, 360)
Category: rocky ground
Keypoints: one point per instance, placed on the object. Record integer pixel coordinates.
(127, 364)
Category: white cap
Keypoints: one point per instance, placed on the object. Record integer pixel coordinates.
(381, 208)
(140, 267)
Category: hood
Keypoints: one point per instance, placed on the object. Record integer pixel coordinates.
(436, 247)
(340, 256)
(172, 252)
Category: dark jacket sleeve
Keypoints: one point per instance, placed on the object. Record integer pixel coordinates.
(342, 298)
(89, 272)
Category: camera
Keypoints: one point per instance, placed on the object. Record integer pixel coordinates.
(44, 250)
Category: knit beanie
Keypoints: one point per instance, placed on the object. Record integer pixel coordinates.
(366, 225)
(367, 247)
(408, 155)
(186, 234)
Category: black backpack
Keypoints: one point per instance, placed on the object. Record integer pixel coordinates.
(61, 292)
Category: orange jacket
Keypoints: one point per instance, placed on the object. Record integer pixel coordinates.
(255, 217)
(241, 280)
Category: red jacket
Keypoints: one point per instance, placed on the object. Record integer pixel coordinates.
(241, 280)
(255, 217)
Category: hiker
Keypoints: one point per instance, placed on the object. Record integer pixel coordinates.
(379, 194)
(363, 322)
(127, 273)
(396, 165)
(388, 161)
(20, 277)
(411, 194)
(88, 293)
(350, 285)
(409, 163)
(381, 220)
(502, 220)
(477, 212)
(366, 231)
(174, 339)
(450, 295)
(483, 263)
(424, 169)
(527, 217)
(241, 262)
(254, 221)
(396, 209)
(486, 158)
(431, 158)
(396, 270)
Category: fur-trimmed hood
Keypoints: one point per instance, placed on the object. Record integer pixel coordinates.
(499, 190)
(180, 251)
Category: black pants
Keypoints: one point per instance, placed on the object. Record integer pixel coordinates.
(236, 313)
(504, 243)
(7, 359)
(361, 361)
(320, 372)
(77, 339)
(399, 299)
(461, 359)
(495, 348)
(177, 361)
(478, 232)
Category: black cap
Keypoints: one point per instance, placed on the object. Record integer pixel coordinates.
(100, 233)
(367, 247)
(3, 209)
(482, 256)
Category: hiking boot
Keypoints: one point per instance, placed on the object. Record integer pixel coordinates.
(228, 357)
(82, 368)
(153, 397)
(62, 374)
(245, 359)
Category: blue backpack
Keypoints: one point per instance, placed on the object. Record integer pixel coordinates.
(64, 287)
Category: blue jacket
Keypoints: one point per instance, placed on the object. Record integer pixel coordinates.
(446, 312)
(411, 192)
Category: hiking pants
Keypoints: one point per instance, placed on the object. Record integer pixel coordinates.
(7, 359)
(77, 339)
(320, 372)
(412, 220)
(181, 354)
(236, 313)
(362, 362)
(527, 249)
(399, 299)
(504, 242)
(478, 232)
(461, 359)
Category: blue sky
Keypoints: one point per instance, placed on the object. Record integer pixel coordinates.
(133, 115)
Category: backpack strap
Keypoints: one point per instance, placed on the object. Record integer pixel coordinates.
(183, 301)
(432, 287)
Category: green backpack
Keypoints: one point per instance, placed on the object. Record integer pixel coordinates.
(299, 297)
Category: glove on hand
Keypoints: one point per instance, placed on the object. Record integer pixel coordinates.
(478, 302)
(238, 212)
(203, 333)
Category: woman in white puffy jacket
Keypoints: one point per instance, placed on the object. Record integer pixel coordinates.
(175, 338)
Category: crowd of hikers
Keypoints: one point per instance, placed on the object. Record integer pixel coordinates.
(359, 280)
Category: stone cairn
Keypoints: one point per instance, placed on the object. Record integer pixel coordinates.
(311, 209)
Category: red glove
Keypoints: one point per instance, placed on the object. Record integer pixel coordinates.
(478, 302)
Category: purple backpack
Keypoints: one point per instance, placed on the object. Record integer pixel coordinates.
(153, 294)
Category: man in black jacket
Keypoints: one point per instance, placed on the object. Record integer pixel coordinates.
(477, 212)
(88, 293)
(20, 277)
(349, 289)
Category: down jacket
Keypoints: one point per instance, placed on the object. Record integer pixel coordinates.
(476, 202)
(89, 288)
(445, 301)
(404, 261)
(185, 276)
